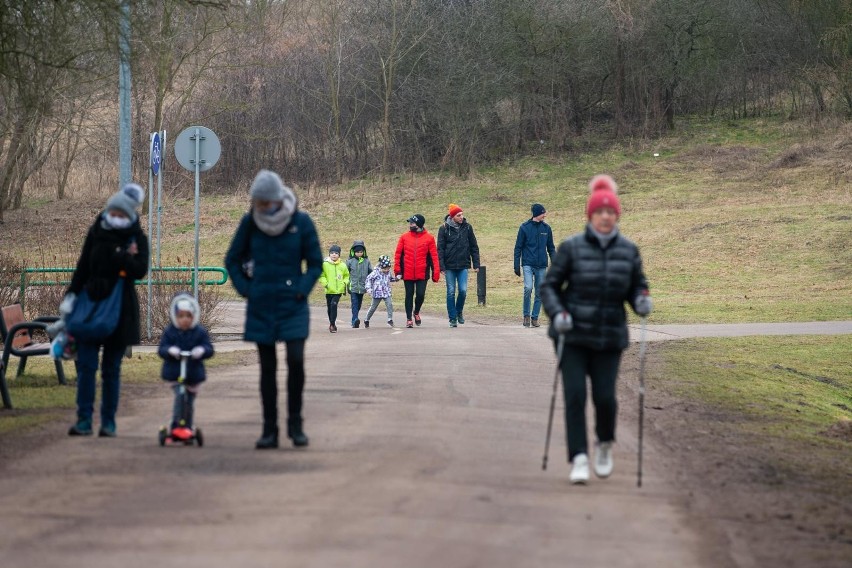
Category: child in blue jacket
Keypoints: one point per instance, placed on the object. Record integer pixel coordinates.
(184, 334)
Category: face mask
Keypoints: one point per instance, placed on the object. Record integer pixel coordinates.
(414, 229)
(272, 210)
(118, 222)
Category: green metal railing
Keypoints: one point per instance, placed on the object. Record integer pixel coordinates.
(223, 277)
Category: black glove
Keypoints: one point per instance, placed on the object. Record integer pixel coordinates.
(517, 271)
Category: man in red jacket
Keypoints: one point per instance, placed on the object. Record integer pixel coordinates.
(415, 260)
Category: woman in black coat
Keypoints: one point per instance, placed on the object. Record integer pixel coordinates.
(115, 248)
(593, 274)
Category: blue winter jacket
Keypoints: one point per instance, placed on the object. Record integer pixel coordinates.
(185, 340)
(533, 245)
(278, 290)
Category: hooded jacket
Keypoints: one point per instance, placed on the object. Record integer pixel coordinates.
(184, 340)
(457, 246)
(416, 256)
(335, 276)
(379, 283)
(102, 262)
(359, 269)
(592, 284)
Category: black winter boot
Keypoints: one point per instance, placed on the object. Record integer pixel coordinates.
(269, 439)
(295, 433)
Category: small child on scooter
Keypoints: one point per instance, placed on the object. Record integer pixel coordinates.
(184, 338)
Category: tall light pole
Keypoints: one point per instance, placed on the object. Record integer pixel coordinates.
(124, 173)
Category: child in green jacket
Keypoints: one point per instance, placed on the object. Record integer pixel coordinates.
(335, 281)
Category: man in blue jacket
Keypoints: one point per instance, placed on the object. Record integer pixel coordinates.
(532, 248)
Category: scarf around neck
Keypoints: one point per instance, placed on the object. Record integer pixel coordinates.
(273, 225)
(604, 239)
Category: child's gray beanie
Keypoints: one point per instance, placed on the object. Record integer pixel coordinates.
(267, 186)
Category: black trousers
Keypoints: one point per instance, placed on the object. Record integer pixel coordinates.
(415, 293)
(269, 383)
(331, 301)
(602, 370)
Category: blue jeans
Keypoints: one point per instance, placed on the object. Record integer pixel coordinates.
(533, 277)
(357, 300)
(456, 279)
(87, 368)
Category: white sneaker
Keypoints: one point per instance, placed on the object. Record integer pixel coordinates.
(580, 469)
(603, 459)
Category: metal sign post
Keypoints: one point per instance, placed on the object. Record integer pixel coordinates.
(197, 149)
(160, 196)
(153, 170)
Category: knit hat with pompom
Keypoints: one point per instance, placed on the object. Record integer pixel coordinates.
(604, 193)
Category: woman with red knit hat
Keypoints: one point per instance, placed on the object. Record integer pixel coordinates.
(593, 274)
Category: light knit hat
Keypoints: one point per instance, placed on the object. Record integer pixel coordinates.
(267, 186)
(127, 200)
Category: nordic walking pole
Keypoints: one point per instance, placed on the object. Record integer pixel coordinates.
(642, 347)
(559, 346)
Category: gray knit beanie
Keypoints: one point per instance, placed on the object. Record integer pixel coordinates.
(267, 185)
(127, 200)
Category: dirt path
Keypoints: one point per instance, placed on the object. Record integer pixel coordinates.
(426, 449)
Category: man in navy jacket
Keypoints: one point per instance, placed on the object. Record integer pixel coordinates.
(532, 248)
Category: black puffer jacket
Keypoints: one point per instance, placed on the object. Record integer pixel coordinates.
(103, 257)
(457, 246)
(592, 284)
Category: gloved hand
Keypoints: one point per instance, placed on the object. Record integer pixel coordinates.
(517, 271)
(174, 351)
(563, 323)
(643, 304)
(197, 352)
(67, 304)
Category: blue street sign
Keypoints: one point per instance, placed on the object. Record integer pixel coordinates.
(156, 154)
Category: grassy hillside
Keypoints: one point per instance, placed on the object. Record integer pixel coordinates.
(737, 222)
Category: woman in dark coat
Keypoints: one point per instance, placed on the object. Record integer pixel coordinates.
(115, 248)
(593, 274)
(264, 262)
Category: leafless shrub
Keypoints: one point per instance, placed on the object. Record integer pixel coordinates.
(10, 279)
(209, 298)
(795, 156)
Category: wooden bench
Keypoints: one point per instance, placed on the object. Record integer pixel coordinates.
(18, 340)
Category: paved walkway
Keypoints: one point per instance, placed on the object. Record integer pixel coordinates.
(426, 450)
(230, 328)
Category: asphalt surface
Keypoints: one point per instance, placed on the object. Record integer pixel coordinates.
(426, 450)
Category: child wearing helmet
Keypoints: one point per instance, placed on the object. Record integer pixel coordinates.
(378, 287)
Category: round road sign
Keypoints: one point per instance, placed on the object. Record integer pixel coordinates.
(208, 148)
